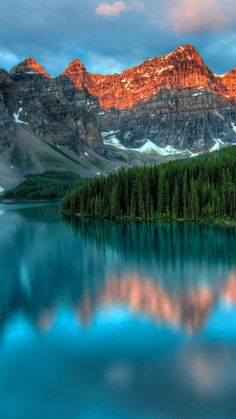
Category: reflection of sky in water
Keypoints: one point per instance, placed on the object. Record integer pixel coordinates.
(129, 366)
(115, 320)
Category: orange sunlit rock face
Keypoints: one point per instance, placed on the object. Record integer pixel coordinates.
(34, 66)
(182, 69)
(229, 81)
(77, 73)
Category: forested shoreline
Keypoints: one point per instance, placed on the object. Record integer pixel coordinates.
(44, 186)
(198, 189)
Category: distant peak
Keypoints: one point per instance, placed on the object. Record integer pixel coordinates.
(31, 64)
(38, 68)
(188, 51)
(30, 61)
(186, 47)
(228, 74)
(77, 73)
(75, 65)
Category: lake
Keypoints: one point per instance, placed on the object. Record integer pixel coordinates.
(115, 320)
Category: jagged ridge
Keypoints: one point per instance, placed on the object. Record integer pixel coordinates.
(182, 69)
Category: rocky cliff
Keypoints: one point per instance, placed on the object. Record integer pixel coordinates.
(174, 101)
(182, 69)
(29, 96)
(167, 105)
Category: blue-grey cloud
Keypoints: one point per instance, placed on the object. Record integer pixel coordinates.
(111, 35)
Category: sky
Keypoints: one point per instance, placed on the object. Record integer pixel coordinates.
(111, 35)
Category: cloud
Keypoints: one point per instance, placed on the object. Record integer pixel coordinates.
(111, 10)
(58, 31)
(188, 16)
(139, 6)
(117, 8)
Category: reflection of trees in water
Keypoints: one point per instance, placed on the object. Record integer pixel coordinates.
(164, 242)
(45, 213)
(175, 255)
(44, 264)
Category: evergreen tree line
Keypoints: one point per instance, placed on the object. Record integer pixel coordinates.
(48, 185)
(201, 188)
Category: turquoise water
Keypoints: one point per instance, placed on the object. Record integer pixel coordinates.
(112, 320)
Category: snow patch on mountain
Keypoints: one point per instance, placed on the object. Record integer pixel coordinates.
(191, 154)
(220, 75)
(149, 147)
(233, 126)
(217, 145)
(17, 119)
(169, 67)
(109, 138)
(1, 189)
(197, 94)
(219, 141)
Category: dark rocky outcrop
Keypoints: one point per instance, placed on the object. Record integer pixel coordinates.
(183, 119)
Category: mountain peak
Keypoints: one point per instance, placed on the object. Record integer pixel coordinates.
(188, 52)
(229, 81)
(32, 65)
(75, 65)
(186, 47)
(180, 69)
(77, 73)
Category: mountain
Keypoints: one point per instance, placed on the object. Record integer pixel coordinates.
(173, 100)
(167, 107)
(181, 69)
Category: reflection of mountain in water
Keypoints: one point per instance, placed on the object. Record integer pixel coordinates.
(189, 310)
(174, 273)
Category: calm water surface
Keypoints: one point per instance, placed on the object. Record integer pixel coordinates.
(115, 321)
